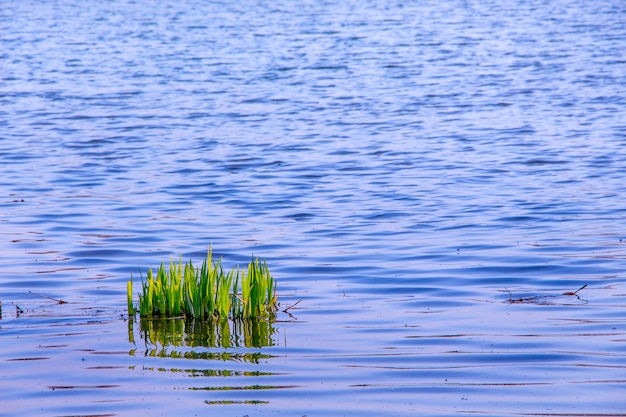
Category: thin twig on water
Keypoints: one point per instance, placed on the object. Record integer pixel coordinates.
(291, 306)
(18, 310)
(49, 298)
(575, 292)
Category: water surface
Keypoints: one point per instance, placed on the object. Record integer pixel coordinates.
(409, 171)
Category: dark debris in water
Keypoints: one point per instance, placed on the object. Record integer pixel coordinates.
(58, 301)
(91, 415)
(26, 359)
(59, 387)
(229, 402)
(544, 299)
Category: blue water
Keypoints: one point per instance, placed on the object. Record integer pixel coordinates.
(407, 170)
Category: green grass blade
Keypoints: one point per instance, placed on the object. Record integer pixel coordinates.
(207, 291)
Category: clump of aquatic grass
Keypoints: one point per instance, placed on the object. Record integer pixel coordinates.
(207, 292)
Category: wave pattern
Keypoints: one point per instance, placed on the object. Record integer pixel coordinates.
(407, 169)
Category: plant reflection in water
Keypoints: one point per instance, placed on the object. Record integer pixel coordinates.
(163, 333)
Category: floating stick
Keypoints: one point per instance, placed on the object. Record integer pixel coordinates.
(575, 292)
(292, 306)
(49, 298)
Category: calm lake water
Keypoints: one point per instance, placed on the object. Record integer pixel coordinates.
(426, 179)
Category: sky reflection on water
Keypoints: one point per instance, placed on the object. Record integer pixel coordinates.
(406, 170)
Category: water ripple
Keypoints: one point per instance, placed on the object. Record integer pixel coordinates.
(406, 169)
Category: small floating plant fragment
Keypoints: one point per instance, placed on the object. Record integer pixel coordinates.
(206, 292)
(544, 299)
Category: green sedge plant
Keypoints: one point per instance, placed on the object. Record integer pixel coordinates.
(206, 292)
